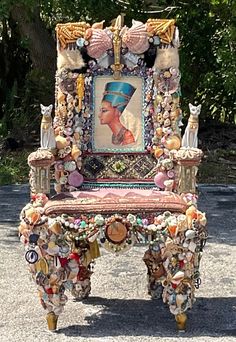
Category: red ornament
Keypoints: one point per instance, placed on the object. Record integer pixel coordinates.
(63, 261)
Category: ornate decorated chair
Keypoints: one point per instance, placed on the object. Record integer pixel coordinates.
(121, 174)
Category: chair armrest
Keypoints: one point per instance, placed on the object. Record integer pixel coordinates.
(40, 162)
(188, 159)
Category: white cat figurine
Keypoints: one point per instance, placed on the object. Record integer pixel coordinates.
(47, 137)
(190, 135)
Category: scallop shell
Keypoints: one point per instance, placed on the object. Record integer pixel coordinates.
(99, 43)
(136, 38)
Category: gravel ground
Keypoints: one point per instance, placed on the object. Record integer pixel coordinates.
(119, 308)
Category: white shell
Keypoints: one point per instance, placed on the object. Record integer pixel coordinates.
(192, 246)
(190, 234)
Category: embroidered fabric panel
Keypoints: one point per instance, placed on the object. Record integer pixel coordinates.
(140, 167)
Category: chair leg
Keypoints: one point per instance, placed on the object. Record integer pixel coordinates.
(181, 320)
(180, 298)
(155, 288)
(54, 304)
(52, 321)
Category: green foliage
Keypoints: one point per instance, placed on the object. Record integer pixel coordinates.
(14, 168)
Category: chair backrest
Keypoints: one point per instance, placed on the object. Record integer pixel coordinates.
(117, 108)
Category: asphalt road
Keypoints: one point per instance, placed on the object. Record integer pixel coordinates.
(119, 308)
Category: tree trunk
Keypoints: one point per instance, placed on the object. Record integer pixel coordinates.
(41, 45)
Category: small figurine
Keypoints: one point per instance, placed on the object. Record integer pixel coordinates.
(190, 135)
(47, 138)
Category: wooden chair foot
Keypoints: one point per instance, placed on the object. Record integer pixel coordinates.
(181, 320)
(52, 321)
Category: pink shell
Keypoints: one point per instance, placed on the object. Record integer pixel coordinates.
(160, 178)
(136, 38)
(99, 43)
(75, 179)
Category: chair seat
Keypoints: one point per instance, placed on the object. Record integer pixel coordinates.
(111, 201)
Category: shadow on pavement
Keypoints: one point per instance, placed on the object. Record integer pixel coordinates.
(219, 203)
(209, 317)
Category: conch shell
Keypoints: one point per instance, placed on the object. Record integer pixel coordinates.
(99, 42)
(136, 38)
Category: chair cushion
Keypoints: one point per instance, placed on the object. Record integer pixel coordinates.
(111, 201)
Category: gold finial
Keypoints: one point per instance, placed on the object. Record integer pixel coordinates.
(117, 66)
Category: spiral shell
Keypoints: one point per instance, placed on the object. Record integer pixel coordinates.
(136, 38)
(99, 43)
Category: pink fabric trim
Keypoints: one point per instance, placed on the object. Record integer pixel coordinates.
(116, 201)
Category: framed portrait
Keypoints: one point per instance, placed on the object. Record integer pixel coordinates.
(118, 120)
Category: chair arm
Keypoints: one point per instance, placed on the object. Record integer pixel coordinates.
(40, 162)
(188, 159)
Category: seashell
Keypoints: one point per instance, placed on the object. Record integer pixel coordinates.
(173, 142)
(166, 115)
(185, 244)
(159, 132)
(191, 213)
(172, 230)
(56, 228)
(158, 99)
(98, 25)
(61, 142)
(32, 215)
(167, 122)
(136, 38)
(99, 43)
(174, 114)
(203, 219)
(160, 178)
(180, 299)
(158, 152)
(192, 246)
(70, 166)
(182, 223)
(178, 277)
(169, 185)
(190, 234)
(189, 256)
(75, 152)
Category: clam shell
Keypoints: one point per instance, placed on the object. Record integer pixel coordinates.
(99, 43)
(136, 38)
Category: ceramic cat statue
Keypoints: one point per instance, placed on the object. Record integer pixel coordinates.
(47, 138)
(190, 138)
